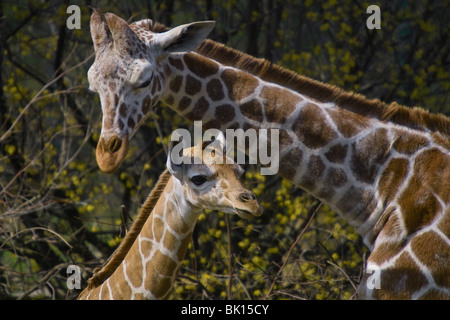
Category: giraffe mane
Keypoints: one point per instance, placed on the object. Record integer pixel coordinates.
(119, 254)
(416, 117)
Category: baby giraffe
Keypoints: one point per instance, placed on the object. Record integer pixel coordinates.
(150, 267)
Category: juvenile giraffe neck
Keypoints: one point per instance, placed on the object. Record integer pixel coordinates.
(151, 266)
(339, 156)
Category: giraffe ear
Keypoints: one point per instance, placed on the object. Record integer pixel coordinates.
(186, 37)
(174, 165)
(216, 139)
(222, 141)
(99, 32)
(121, 32)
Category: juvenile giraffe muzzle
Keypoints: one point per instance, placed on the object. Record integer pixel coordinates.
(111, 153)
(250, 207)
(247, 196)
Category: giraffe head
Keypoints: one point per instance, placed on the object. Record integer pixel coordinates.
(211, 181)
(128, 76)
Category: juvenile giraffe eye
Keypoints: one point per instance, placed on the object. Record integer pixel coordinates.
(198, 180)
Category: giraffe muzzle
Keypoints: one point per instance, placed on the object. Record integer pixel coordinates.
(250, 206)
(111, 152)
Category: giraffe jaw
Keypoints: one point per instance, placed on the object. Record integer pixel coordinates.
(110, 154)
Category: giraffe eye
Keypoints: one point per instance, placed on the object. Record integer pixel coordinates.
(144, 84)
(198, 180)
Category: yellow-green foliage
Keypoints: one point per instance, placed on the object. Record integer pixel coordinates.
(317, 267)
(57, 209)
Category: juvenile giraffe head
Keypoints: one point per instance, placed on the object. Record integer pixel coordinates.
(209, 181)
(128, 77)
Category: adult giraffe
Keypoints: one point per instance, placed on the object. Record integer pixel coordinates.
(384, 168)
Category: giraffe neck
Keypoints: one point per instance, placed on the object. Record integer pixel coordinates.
(339, 156)
(152, 264)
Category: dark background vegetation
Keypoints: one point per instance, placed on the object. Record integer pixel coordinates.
(57, 208)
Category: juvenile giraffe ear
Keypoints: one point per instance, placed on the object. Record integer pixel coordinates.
(216, 140)
(222, 141)
(175, 169)
(121, 33)
(186, 37)
(99, 32)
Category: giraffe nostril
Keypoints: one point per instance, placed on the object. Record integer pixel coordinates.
(114, 145)
(247, 196)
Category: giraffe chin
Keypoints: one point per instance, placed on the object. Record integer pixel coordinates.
(111, 154)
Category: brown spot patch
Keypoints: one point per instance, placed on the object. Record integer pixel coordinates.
(312, 128)
(444, 224)
(201, 66)
(155, 268)
(169, 241)
(434, 253)
(193, 86)
(123, 110)
(170, 100)
(434, 294)
(336, 177)
(183, 247)
(326, 193)
(215, 90)
(439, 139)
(357, 204)
(432, 168)
(134, 270)
(239, 84)
(401, 280)
(280, 103)
(131, 123)
(252, 110)
(418, 206)
(313, 173)
(368, 154)
(185, 102)
(200, 108)
(156, 86)
(146, 105)
(337, 153)
(391, 178)
(175, 222)
(158, 226)
(225, 113)
(386, 251)
(290, 162)
(175, 84)
(431, 179)
(348, 123)
(177, 63)
(146, 246)
(408, 143)
(285, 139)
(121, 125)
(212, 124)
